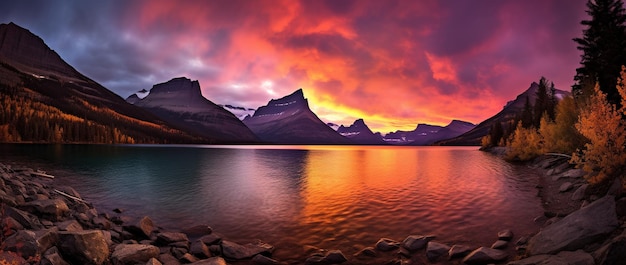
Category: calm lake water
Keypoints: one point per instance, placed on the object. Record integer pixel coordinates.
(331, 197)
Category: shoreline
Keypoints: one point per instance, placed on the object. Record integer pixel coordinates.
(61, 214)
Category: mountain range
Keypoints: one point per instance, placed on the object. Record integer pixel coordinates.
(180, 103)
(44, 99)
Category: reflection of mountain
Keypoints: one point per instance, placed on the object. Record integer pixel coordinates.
(289, 120)
(425, 134)
(180, 102)
(55, 103)
(506, 115)
(359, 133)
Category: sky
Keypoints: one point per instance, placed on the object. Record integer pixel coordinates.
(393, 63)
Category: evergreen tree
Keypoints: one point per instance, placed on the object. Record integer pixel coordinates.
(604, 47)
(527, 115)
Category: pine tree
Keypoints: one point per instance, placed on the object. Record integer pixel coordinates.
(527, 114)
(604, 47)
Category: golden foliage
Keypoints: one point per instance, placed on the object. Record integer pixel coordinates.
(602, 124)
(524, 144)
(561, 135)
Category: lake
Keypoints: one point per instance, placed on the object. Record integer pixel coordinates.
(331, 197)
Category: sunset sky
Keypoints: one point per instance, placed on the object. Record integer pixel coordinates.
(392, 63)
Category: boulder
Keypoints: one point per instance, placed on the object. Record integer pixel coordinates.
(500, 244)
(133, 253)
(576, 230)
(434, 250)
(46, 238)
(565, 187)
(197, 231)
(416, 242)
(211, 261)
(564, 257)
(188, 258)
(366, 252)
(153, 261)
(334, 257)
(53, 209)
(23, 242)
(579, 194)
(166, 238)
(142, 228)
(168, 259)
(574, 173)
(84, 247)
(616, 188)
(70, 225)
(263, 260)
(52, 257)
(612, 252)
(199, 249)
(620, 207)
(27, 220)
(211, 239)
(458, 251)
(232, 250)
(505, 235)
(485, 255)
(386, 244)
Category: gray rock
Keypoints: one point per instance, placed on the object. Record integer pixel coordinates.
(616, 188)
(188, 258)
(564, 257)
(27, 220)
(211, 239)
(579, 194)
(416, 242)
(232, 250)
(485, 255)
(522, 241)
(386, 244)
(574, 173)
(168, 259)
(200, 250)
(54, 209)
(459, 251)
(70, 225)
(434, 250)
(197, 231)
(612, 252)
(133, 253)
(565, 187)
(84, 247)
(46, 238)
(153, 261)
(166, 238)
(577, 229)
(334, 257)
(500, 244)
(52, 257)
(366, 252)
(143, 228)
(211, 261)
(505, 235)
(263, 260)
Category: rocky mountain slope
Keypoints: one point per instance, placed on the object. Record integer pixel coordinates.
(505, 116)
(289, 120)
(44, 99)
(180, 102)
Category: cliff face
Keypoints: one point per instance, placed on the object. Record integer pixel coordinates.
(180, 102)
(29, 52)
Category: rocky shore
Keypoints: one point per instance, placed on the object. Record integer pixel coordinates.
(47, 224)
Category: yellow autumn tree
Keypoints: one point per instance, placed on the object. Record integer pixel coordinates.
(524, 144)
(561, 136)
(601, 123)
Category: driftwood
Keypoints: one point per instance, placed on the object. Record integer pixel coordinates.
(40, 174)
(70, 196)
